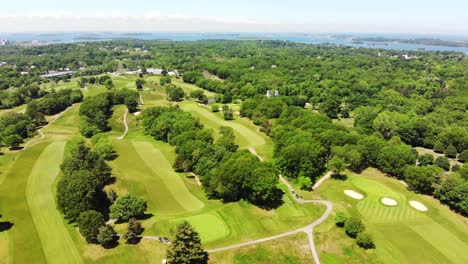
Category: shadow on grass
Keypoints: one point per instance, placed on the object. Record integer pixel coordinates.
(4, 226)
(111, 245)
(340, 177)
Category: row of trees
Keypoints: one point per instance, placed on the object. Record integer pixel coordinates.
(97, 110)
(355, 228)
(81, 199)
(226, 173)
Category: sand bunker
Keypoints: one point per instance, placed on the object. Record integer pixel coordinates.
(418, 206)
(354, 194)
(137, 113)
(388, 201)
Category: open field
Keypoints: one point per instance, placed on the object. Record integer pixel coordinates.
(402, 234)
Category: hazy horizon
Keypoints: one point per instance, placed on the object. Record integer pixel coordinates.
(242, 16)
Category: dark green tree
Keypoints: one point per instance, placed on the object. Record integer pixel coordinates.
(425, 159)
(365, 240)
(341, 219)
(89, 223)
(354, 226)
(106, 236)
(186, 246)
(126, 207)
(442, 162)
(133, 231)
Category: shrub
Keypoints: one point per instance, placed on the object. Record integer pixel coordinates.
(354, 226)
(365, 240)
(127, 206)
(425, 159)
(442, 162)
(341, 219)
(451, 151)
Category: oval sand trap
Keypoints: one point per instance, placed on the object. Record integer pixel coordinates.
(354, 194)
(388, 201)
(418, 206)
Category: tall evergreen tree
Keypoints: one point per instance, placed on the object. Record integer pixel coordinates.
(186, 247)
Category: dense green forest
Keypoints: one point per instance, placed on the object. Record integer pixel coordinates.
(393, 104)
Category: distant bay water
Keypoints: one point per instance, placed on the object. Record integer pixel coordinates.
(331, 38)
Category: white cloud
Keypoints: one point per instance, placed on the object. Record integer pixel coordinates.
(156, 21)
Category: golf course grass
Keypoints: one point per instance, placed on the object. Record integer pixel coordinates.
(143, 167)
(245, 137)
(401, 233)
(57, 245)
(210, 226)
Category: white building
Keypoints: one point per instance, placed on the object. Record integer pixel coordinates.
(154, 71)
(272, 93)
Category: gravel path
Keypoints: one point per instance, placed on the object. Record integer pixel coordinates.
(125, 124)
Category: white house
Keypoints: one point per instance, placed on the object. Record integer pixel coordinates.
(272, 93)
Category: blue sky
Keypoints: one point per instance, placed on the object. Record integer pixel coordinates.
(397, 16)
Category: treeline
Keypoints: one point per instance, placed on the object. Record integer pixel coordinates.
(97, 110)
(306, 143)
(81, 197)
(226, 173)
(16, 127)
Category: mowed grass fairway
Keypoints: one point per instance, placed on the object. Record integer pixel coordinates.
(143, 170)
(57, 244)
(210, 226)
(402, 234)
(245, 136)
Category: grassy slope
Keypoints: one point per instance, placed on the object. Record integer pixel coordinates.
(56, 242)
(402, 234)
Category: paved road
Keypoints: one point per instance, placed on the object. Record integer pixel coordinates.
(126, 125)
(307, 229)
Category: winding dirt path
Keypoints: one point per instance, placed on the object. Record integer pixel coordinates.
(125, 124)
(39, 131)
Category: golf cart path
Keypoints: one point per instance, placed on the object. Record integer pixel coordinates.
(307, 229)
(141, 99)
(253, 151)
(319, 182)
(125, 124)
(39, 131)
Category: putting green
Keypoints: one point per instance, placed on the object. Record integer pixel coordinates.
(210, 226)
(57, 244)
(144, 170)
(372, 209)
(245, 137)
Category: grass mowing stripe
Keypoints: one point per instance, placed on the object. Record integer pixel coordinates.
(435, 234)
(156, 160)
(23, 235)
(139, 179)
(244, 135)
(56, 241)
